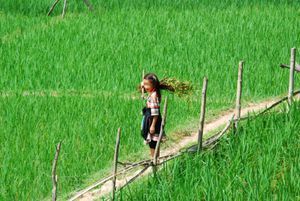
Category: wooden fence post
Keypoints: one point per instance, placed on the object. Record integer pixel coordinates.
(54, 176)
(238, 95)
(292, 72)
(202, 114)
(161, 131)
(143, 89)
(52, 7)
(115, 163)
(64, 9)
(86, 2)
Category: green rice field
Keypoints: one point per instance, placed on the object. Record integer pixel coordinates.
(74, 79)
(261, 162)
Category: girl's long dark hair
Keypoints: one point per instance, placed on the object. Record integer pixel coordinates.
(169, 84)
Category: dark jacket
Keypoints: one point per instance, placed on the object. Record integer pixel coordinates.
(147, 121)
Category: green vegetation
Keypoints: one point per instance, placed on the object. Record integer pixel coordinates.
(81, 74)
(262, 162)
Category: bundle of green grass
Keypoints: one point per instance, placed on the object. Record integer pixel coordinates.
(180, 88)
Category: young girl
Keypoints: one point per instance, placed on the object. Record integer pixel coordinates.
(151, 122)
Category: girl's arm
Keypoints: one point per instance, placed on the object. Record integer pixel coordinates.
(154, 112)
(142, 90)
(152, 127)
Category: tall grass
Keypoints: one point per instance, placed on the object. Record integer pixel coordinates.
(261, 162)
(83, 52)
(32, 8)
(103, 54)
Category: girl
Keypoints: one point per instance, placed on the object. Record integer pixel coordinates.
(151, 122)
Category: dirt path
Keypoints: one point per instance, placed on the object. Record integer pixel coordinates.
(187, 140)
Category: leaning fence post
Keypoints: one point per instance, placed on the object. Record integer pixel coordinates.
(54, 176)
(161, 131)
(115, 163)
(86, 2)
(292, 72)
(202, 114)
(52, 7)
(143, 89)
(238, 95)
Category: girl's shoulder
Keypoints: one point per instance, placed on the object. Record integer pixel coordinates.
(153, 94)
(155, 97)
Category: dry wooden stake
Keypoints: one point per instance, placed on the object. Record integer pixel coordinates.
(292, 72)
(143, 89)
(54, 176)
(116, 163)
(64, 8)
(86, 2)
(202, 114)
(163, 121)
(238, 95)
(52, 7)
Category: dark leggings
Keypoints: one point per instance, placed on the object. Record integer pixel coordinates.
(152, 144)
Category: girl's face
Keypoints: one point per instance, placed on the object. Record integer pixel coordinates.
(148, 85)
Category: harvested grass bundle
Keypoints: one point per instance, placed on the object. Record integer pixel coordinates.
(173, 85)
(179, 88)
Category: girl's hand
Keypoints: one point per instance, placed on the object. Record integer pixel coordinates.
(152, 129)
(142, 90)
